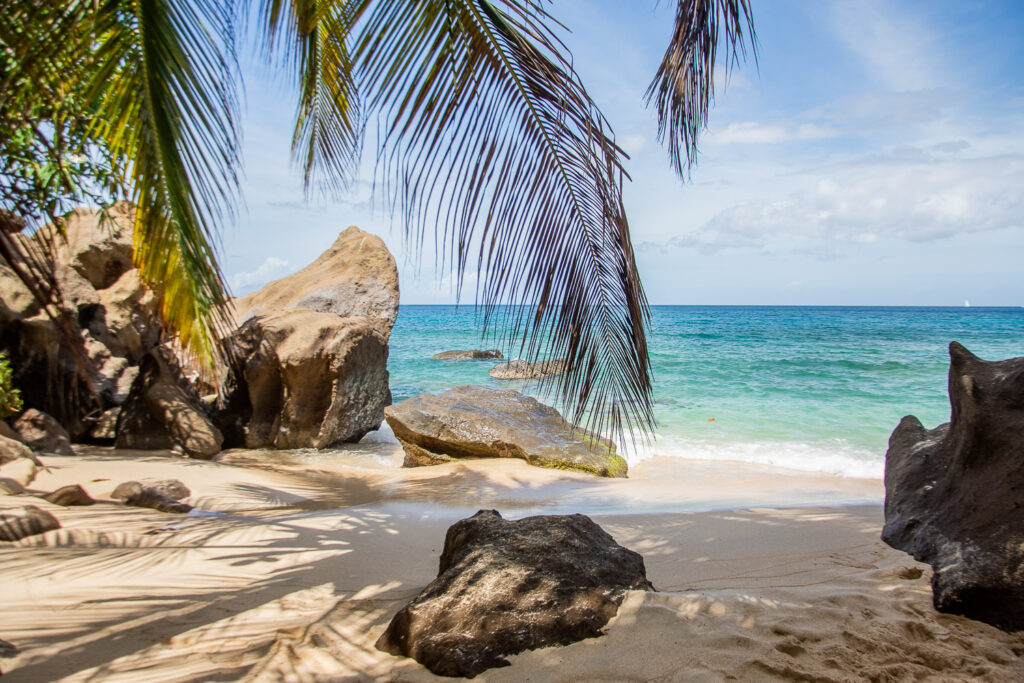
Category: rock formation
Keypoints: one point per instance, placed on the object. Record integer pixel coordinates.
(474, 354)
(508, 586)
(160, 413)
(477, 422)
(28, 521)
(161, 495)
(521, 369)
(954, 495)
(311, 354)
(42, 433)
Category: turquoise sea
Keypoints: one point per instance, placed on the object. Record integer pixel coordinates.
(817, 389)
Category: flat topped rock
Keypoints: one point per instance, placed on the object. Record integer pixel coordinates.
(477, 422)
(954, 495)
(473, 354)
(521, 369)
(507, 586)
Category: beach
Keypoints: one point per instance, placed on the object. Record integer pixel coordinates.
(289, 572)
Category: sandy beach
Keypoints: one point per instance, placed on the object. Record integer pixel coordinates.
(282, 574)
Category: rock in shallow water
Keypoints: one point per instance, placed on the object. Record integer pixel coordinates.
(955, 494)
(521, 369)
(473, 354)
(508, 586)
(477, 422)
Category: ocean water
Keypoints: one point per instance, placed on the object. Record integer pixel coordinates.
(817, 389)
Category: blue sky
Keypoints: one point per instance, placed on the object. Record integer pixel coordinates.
(874, 155)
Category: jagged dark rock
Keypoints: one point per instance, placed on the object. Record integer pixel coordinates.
(477, 422)
(508, 586)
(28, 521)
(954, 495)
(42, 433)
(474, 354)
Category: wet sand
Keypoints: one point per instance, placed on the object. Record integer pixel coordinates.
(288, 574)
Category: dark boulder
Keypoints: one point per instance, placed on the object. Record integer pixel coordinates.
(161, 413)
(477, 422)
(69, 495)
(954, 495)
(42, 433)
(159, 495)
(508, 586)
(29, 521)
(474, 354)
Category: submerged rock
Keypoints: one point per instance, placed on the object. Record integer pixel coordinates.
(160, 414)
(474, 354)
(29, 521)
(42, 433)
(954, 495)
(521, 369)
(508, 586)
(477, 422)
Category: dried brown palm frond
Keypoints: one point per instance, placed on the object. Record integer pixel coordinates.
(684, 86)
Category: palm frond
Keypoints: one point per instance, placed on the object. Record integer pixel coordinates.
(165, 92)
(684, 85)
(309, 39)
(491, 139)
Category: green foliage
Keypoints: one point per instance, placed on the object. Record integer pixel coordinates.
(10, 397)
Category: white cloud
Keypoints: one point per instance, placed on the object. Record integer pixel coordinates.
(248, 281)
(754, 133)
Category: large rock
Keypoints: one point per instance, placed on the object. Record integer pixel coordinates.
(12, 450)
(161, 495)
(28, 521)
(474, 354)
(477, 422)
(159, 414)
(42, 433)
(954, 495)
(521, 369)
(98, 247)
(508, 586)
(355, 277)
(304, 379)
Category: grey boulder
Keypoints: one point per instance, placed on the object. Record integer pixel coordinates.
(477, 422)
(508, 586)
(954, 495)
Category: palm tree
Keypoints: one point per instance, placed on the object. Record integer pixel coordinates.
(490, 142)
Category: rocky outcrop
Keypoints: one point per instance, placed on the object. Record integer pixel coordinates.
(508, 586)
(954, 495)
(42, 433)
(474, 354)
(160, 414)
(310, 364)
(101, 299)
(28, 521)
(306, 380)
(355, 278)
(521, 369)
(477, 422)
(161, 495)
(69, 495)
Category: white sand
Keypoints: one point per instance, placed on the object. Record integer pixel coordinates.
(289, 585)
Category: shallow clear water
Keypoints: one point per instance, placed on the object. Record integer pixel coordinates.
(808, 388)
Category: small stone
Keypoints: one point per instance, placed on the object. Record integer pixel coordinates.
(475, 354)
(29, 521)
(167, 488)
(69, 495)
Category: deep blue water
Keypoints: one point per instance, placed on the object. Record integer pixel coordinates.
(811, 388)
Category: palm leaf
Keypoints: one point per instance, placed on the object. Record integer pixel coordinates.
(308, 38)
(491, 139)
(164, 89)
(684, 86)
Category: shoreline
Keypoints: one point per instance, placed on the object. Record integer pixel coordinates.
(270, 583)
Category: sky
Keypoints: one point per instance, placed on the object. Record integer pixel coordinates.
(873, 155)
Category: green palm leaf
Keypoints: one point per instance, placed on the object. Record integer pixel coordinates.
(164, 87)
(492, 141)
(684, 86)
